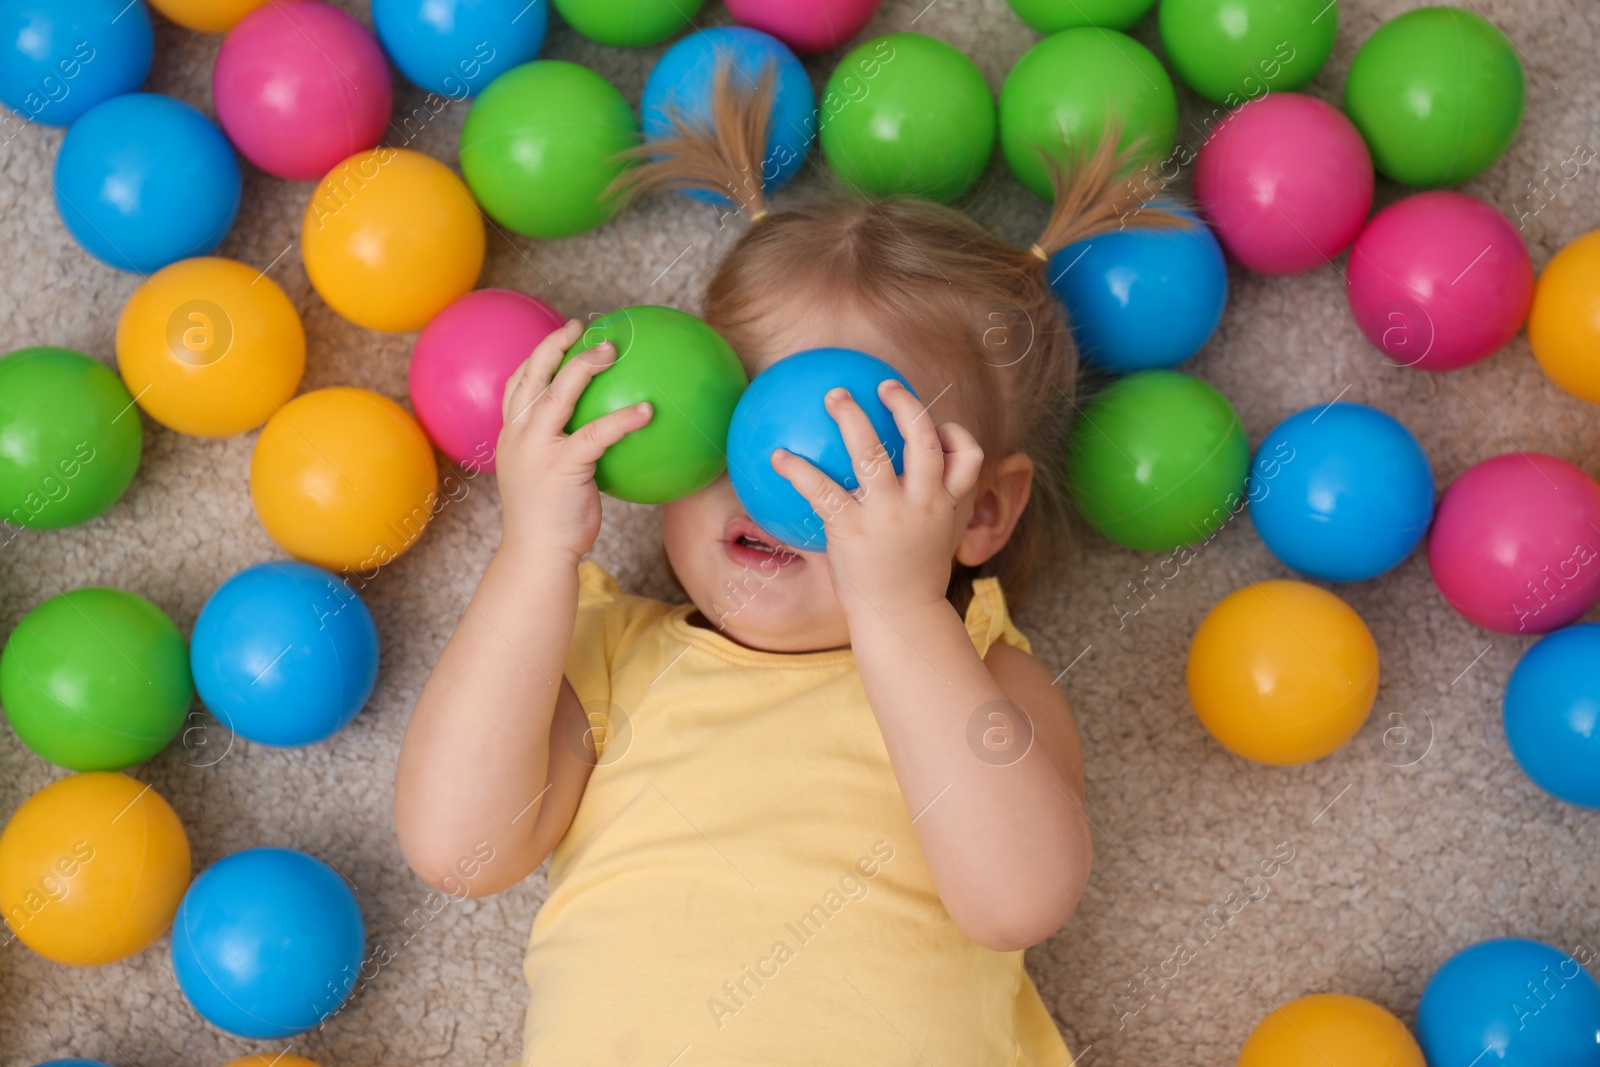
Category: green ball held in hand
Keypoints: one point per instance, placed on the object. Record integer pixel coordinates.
(692, 380)
(1232, 51)
(908, 113)
(96, 680)
(69, 438)
(1157, 460)
(1052, 16)
(628, 23)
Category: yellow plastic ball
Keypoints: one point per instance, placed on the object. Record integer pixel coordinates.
(343, 478)
(278, 1059)
(1282, 672)
(207, 16)
(1330, 1030)
(1564, 324)
(210, 347)
(92, 869)
(390, 238)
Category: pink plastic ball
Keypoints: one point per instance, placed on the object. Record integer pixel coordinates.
(300, 86)
(1286, 182)
(805, 25)
(1515, 545)
(1439, 280)
(460, 365)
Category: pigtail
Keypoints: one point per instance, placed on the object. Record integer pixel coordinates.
(1099, 194)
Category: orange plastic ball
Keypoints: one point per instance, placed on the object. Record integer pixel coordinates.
(1564, 325)
(210, 347)
(1330, 1030)
(207, 16)
(390, 237)
(277, 1059)
(344, 478)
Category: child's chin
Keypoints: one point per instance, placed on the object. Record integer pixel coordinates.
(779, 627)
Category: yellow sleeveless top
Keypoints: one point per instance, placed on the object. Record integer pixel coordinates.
(741, 884)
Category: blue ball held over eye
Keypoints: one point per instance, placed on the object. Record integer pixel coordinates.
(783, 408)
(59, 58)
(1552, 714)
(457, 47)
(284, 653)
(682, 81)
(1142, 299)
(1341, 492)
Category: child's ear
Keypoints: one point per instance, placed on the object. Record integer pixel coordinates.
(1001, 496)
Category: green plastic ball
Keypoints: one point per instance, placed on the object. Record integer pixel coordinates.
(1052, 16)
(539, 147)
(1233, 51)
(96, 680)
(1437, 93)
(628, 23)
(1157, 460)
(1068, 85)
(70, 438)
(908, 113)
(693, 381)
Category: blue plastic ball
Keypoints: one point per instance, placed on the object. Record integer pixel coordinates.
(1341, 492)
(1140, 299)
(783, 408)
(683, 78)
(457, 47)
(268, 943)
(1552, 714)
(284, 653)
(59, 58)
(1510, 1002)
(74, 1062)
(144, 180)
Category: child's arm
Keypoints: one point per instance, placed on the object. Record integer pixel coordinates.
(1005, 837)
(485, 786)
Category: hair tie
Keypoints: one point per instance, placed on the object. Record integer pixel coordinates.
(1043, 256)
(757, 215)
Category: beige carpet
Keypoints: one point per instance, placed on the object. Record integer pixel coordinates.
(1393, 869)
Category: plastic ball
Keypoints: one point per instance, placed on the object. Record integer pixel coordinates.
(1330, 1030)
(1282, 672)
(1065, 90)
(207, 16)
(69, 440)
(1317, 505)
(268, 943)
(1437, 92)
(681, 83)
(343, 478)
(300, 86)
(1552, 714)
(807, 26)
(628, 23)
(210, 347)
(1439, 281)
(275, 1059)
(1287, 183)
(539, 148)
(1231, 51)
(75, 1062)
(1052, 16)
(1513, 546)
(390, 238)
(908, 114)
(92, 868)
(1157, 460)
(59, 60)
(783, 408)
(1512, 1002)
(692, 379)
(285, 654)
(459, 368)
(1564, 323)
(1141, 298)
(456, 47)
(143, 180)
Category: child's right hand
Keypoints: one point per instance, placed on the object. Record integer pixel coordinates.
(550, 504)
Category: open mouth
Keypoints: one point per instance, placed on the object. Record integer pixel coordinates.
(748, 544)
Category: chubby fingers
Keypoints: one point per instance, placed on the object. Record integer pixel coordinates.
(870, 458)
(924, 458)
(531, 378)
(824, 495)
(591, 439)
(963, 458)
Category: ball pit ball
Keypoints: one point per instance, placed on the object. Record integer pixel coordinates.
(783, 408)
(1552, 714)
(1286, 181)
(343, 478)
(143, 180)
(1437, 93)
(1157, 460)
(61, 59)
(390, 238)
(75, 1062)
(1231, 51)
(1052, 16)
(207, 16)
(92, 868)
(807, 26)
(1514, 546)
(70, 439)
(268, 943)
(1282, 672)
(456, 47)
(539, 148)
(628, 23)
(925, 126)
(1564, 322)
(210, 346)
(276, 1059)
(1330, 1030)
(1439, 281)
(299, 86)
(459, 367)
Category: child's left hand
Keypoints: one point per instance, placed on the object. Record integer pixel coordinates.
(891, 542)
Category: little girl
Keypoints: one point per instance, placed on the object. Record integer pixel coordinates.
(815, 814)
